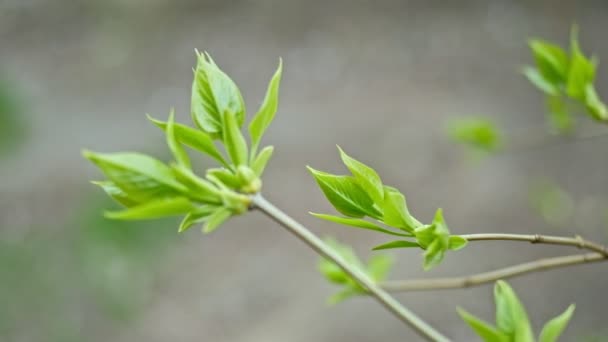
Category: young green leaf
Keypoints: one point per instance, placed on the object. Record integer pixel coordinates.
(197, 215)
(538, 80)
(153, 209)
(434, 254)
(379, 266)
(234, 140)
(559, 116)
(178, 151)
(551, 60)
(193, 138)
(213, 95)
(357, 223)
(395, 211)
(554, 328)
(198, 189)
(216, 219)
(523, 332)
(480, 133)
(332, 272)
(396, 244)
(511, 315)
(366, 177)
(484, 329)
(582, 70)
(260, 162)
(441, 227)
(116, 193)
(596, 107)
(265, 114)
(140, 176)
(343, 295)
(345, 194)
(425, 235)
(227, 177)
(456, 242)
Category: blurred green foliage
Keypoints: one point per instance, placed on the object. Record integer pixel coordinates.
(552, 202)
(94, 274)
(567, 79)
(481, 135)
(12, 129)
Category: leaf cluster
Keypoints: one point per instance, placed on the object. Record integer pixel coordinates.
(150, 188)
(377, 268)
(565, 77)
(512, 323)
(362, 195)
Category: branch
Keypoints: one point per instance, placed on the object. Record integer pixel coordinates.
(600, 254)
(576, 241)
(489, 277)
(406, 316)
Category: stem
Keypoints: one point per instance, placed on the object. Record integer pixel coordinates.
(488, 277)
(576, 241)
(406, 316)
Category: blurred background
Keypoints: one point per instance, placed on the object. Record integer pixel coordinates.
(379, 78)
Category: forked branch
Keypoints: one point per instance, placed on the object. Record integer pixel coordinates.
(600, 253)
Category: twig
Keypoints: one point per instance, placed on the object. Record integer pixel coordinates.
(488, 277)
(576, 241)
(405, 315)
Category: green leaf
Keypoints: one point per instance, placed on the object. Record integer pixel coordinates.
(259, 163)
(268, 109)
(551, 60)
(116, 193)
(153, 209)
(479, 133)
(379, 266)
(538, 80)
(213, 95)
(457, 242)
(582, 70)
(484, 329)
(176, 148)
(425, 235)
(396, 244)
(357, 223)
(434, 254)
(332, 272)
(142, 177)
(559, 116)
(225, 176)
(594, 104)
(366, 177)
(439, 223)
(193, 138)
(234, 140)
(216, 219)
(343, 295)
(554, 328)
(198, 188)
(523, 332)
(345, 194)
(511, 315)
(395, 211)
(197, 215)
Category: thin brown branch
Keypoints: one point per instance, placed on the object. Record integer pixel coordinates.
(492, 276)
(576, 241)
